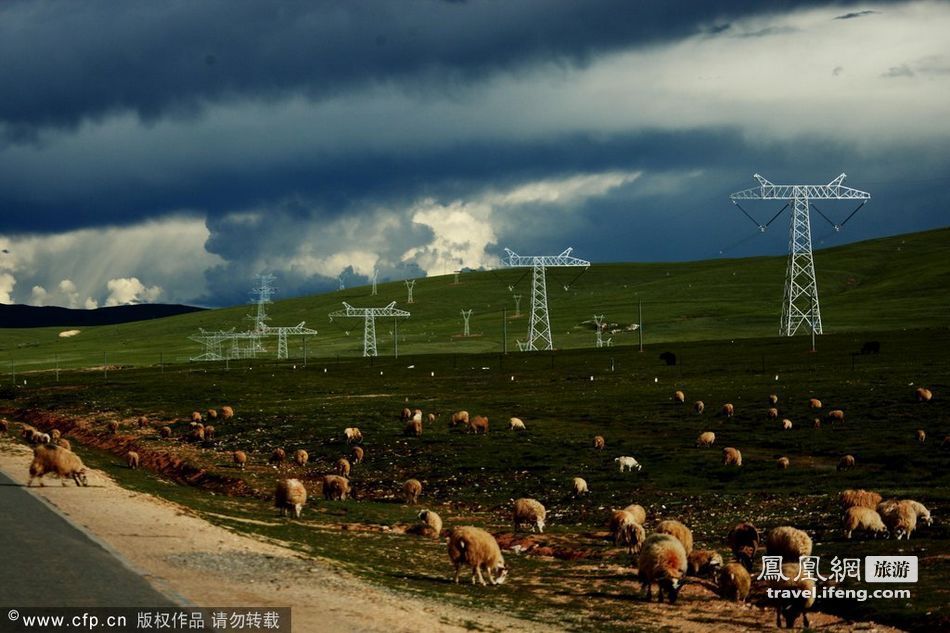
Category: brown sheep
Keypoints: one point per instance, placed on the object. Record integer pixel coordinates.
(358, 455)
(290, 494)
(734, 582)
(773, 400)
(677, 530)
(679, 397)
(209, 432)
(431, 526)
(55, 434)
(413, 428)
(835, 415)
(638, 511)
(782, 463)
(479, 424)
(165, 432)
(529, 512)
(699, 406)
(227, 412)
(731, 456)
(335, 488)
(198, 434)
(113, 427)
(411, 491)
(59, 461)
(196, 416)
(64, 443)
(599, 442)
(212, 414)
(239, 458)
(459, 418)
(431, 419)
(923, 394)
(301, 457)
(900, 517)
(626, 530)
(814, 403)
(921, 436)
(859, 499)
(804, 591)
(706, 439)
(479, 550)
(772, 413)
(278, 456)
(744, 541)
(343, 467)
(143, 422)
(132, 459)
(4, 425)
(662, 561)
(846, 463)
(703, 562)
(353, 435)
(728, 410)
(406, 414)
(788, 542)
(865, 519)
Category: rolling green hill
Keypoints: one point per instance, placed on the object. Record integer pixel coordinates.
(884, 284)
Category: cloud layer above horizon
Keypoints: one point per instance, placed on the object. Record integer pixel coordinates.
(171, 151)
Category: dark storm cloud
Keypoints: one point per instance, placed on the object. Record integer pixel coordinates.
(856, 14)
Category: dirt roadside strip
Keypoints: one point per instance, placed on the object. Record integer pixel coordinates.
(186, 557)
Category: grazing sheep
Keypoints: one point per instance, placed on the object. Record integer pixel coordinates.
(239, 458)
(64, 443)
(923, 514)
(626, 530)
(921, 436)
(417, 415)
(580, 487)
(923, 394)
(638, 511)
(431, 524)
(734, 582)
(165, 432)
(413, 428)
(728, 410)
(432, 417)
(227, 412)
(479, 550)
(44, 438)
(731, 456)
(679, 397)
(706, 439)
(865, 519)
(744, 542)
(113, 427)
(772, 413)
(703, 562)
(406, 414)
(209, 432)
(353, 434)
(788, 542)
(196, 416)
(290, 494)
(786, 424)
(459, 418)
(817, 423)
(677, 530)
(411, 491)
(335, 488)
(699, 406)
(132, 459)
(212, 414)
(794, 597)
(627, 462)
(278, 456)
(4, 425)
(773, 399)
(142, 422)
(663, 562)
(343, 467)
(357, 455)
(814, 403)
(59, 461)
(900, 518)
(782, 463)
(835, 415)
(479, 424)
(198, 434)
(599, 442)
(846, 462)
(55, 434)
(516, 424)
(529, 512)
(858, 498)
(301, 457)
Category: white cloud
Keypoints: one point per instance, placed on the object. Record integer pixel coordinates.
(7, 282)
(128, 290)
(90, 304)
(38, 296)
(460, 234)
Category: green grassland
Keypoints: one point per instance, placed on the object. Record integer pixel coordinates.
(885, 284)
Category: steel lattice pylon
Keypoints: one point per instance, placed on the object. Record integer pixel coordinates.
(800, 302)
(369, 321)
(539, 323)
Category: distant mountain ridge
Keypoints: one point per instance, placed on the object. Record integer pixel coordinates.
(24, 316)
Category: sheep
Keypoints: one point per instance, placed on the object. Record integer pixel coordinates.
(859, 518)
(209, 432)
(227, 412)
(301, 457)
(900, 518)
(858, 499)
(580, 487)
(64, 443)
(413, 428)
(529, 512)
(406, 414)
(431, 523)
(627, 530)
(290, 494)
(679, 397)
(794, 597)
(59, 461)
(699, 406)
(921, 436)
(417, 414)
(4, 425)
(198, 434)
(516, 424)
(479, 550)
(358, 455)
(459, 418)
(143, 422)
(772, 413)
(411, 491)
(788, 542)
(773, 399)
(627, 462)
(703, 562)
(43, 438)
(782, 463)
(677, 530)
(734, 582)
(923, 394)
(113, 427)
(744, 542)
(239, 458)
(662, 561)
(196, 416)
(54, 435)
(786, 425)
(335, 488)
(343, 467)
(479, 424)
(816, 423)
(353, 434)
(923, 514)
(212, 414)
(846, 462)
(638, 511)
(728, 410)
(132, 459)
(835, 415)
(432, 417)
(814, 403)
(165, 432)
(731, 456)
(706, 439)
(599, 442)
(278, 456)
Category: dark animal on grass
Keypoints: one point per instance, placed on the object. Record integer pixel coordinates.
(669, 358)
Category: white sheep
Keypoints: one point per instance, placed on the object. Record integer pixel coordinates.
(706, 439)
(860, 518)
(515, 424)
(580, 487)
(353, 434)
(628, 463)
(529, 512)
(788, 542)
(663, 562)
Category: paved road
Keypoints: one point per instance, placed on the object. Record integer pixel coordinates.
(46, 562)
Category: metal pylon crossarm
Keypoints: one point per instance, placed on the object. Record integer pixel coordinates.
(369, 321)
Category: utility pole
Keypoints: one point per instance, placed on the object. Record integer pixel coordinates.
(640, 325)
(504, 330)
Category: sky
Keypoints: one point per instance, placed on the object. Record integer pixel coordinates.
(169, 152)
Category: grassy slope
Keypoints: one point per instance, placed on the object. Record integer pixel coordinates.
(881, 284)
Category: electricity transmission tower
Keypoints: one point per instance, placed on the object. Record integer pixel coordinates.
(466, 316)
(410, 283)
(341, 281)
(369, 321)
(599, 325)
(517, 306)
(539, 323)
(375, 275)
(800, 302)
